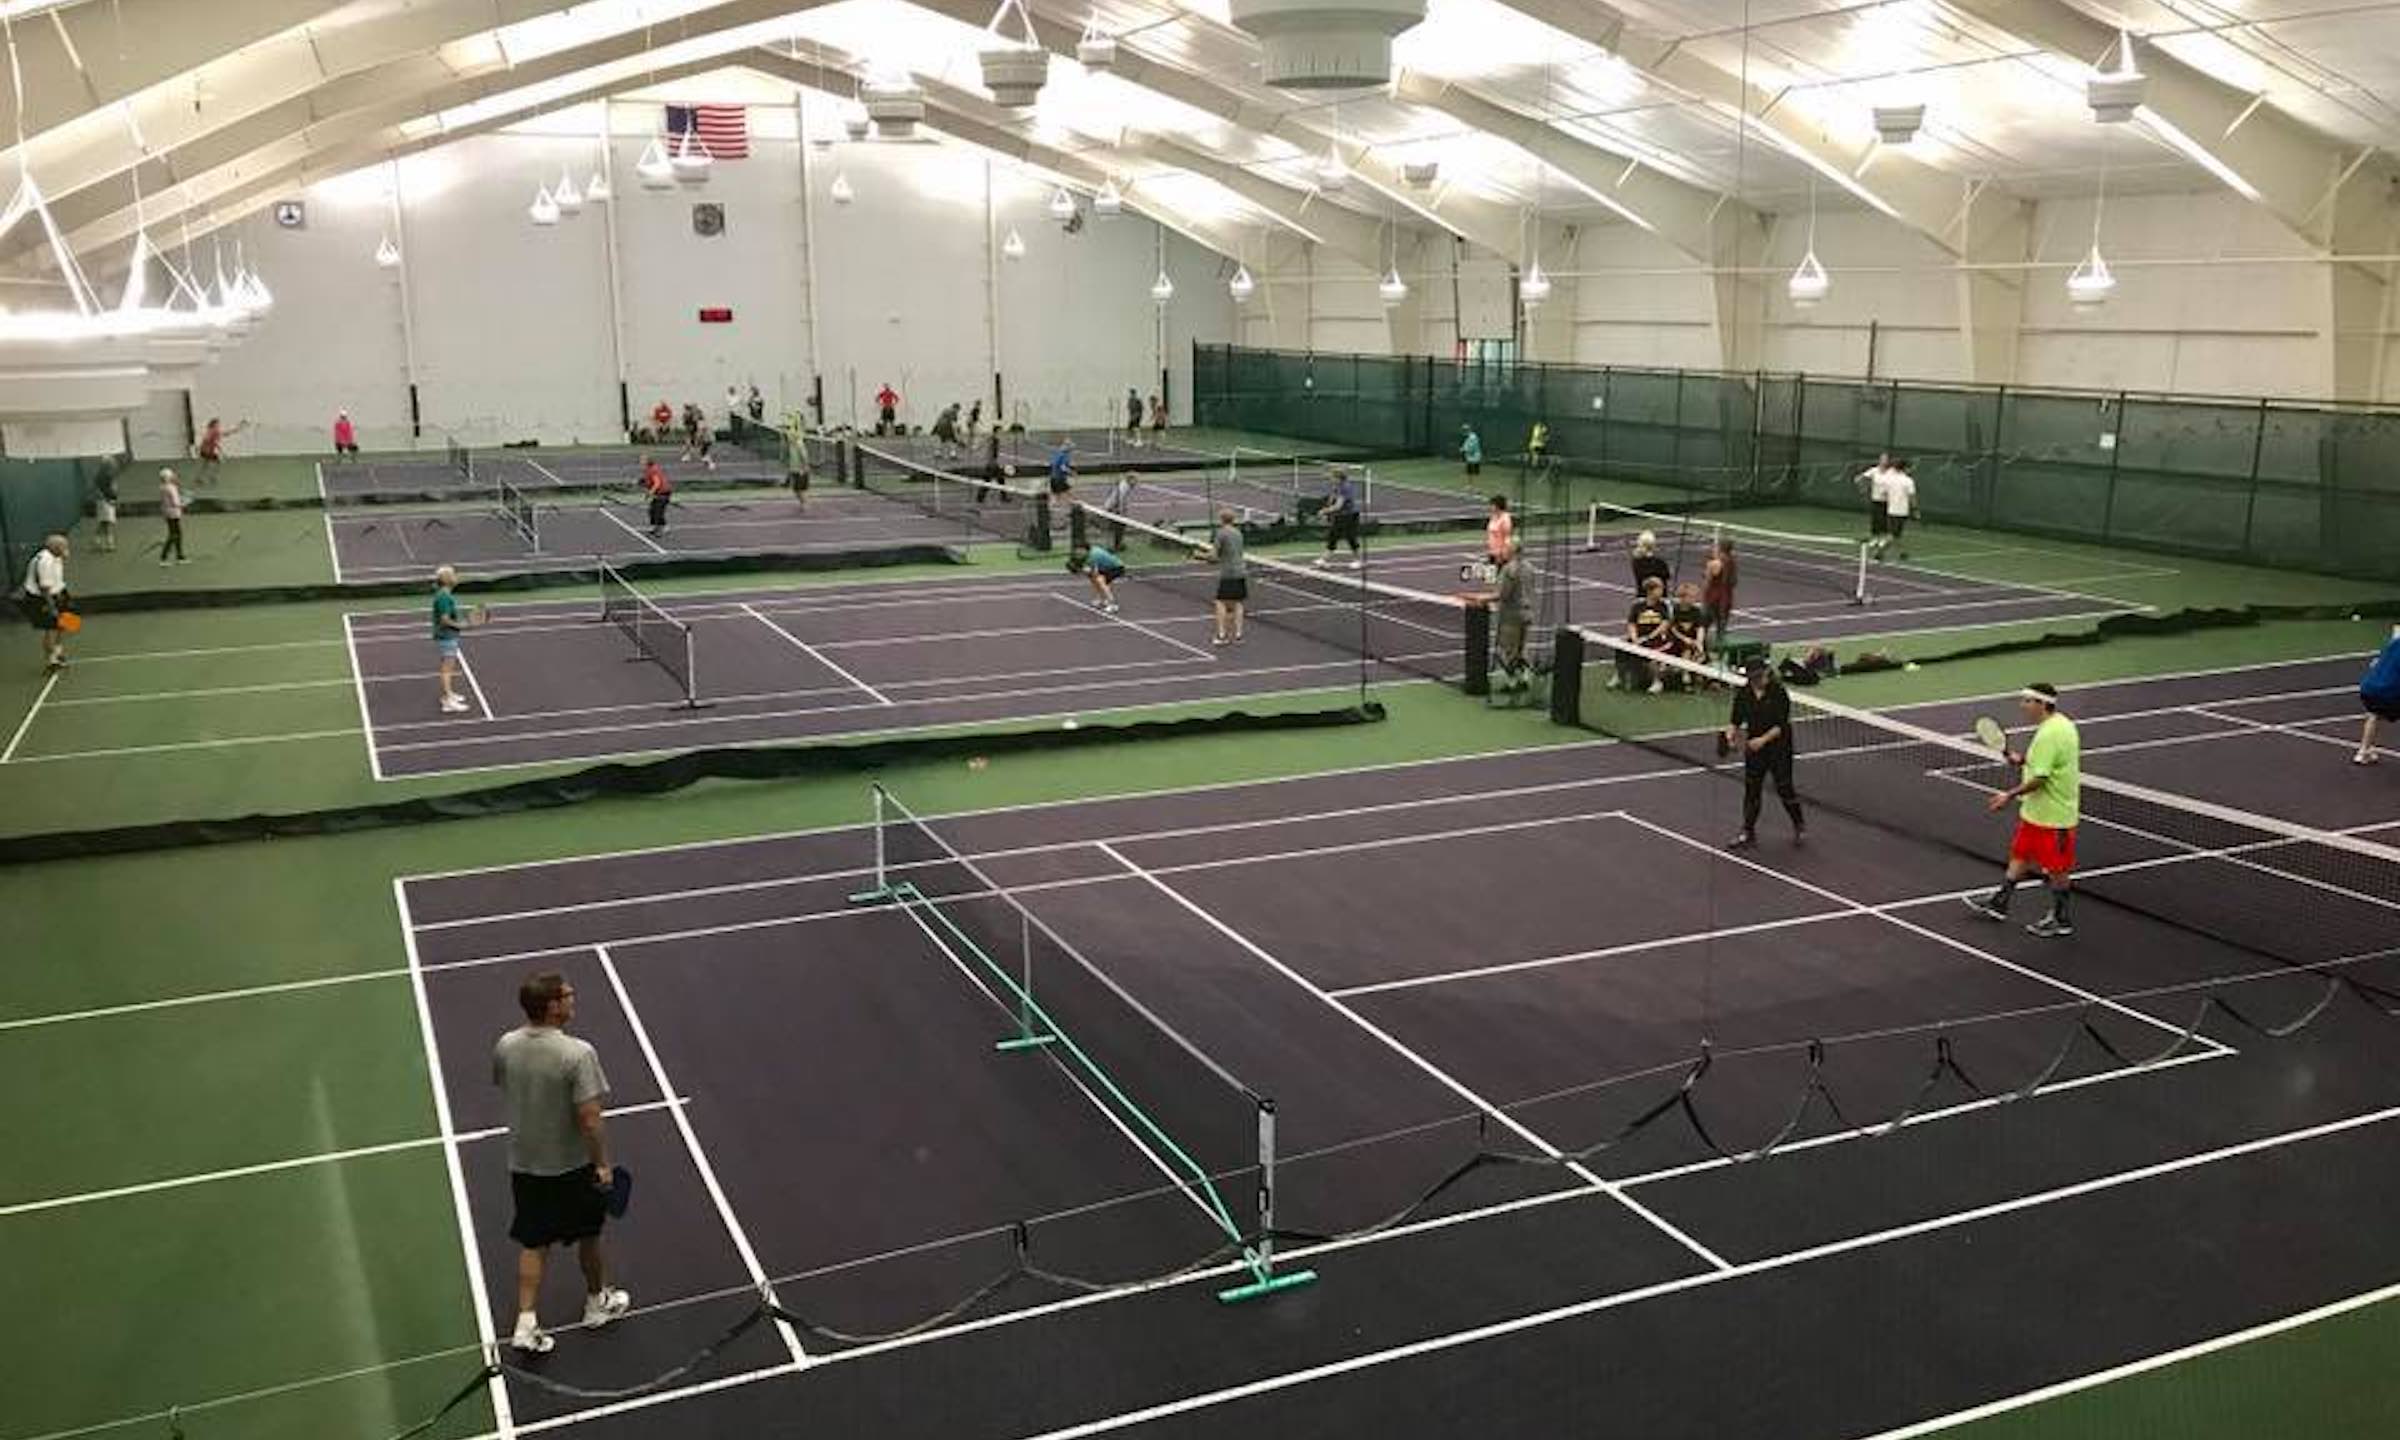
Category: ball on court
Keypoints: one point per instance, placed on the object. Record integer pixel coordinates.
(2356, 616)
(1911, 665)
(979, 762)
(1069, 725)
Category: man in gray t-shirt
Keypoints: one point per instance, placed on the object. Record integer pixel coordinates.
(1233, 578)
(558, 1171)
(1508, 615)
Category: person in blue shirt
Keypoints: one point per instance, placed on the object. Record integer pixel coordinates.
(2379, 692)
(1062, 467)
(1341, 516)
(1100, 565)
(1470, 449)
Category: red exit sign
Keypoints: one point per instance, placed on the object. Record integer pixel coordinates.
(716, 315)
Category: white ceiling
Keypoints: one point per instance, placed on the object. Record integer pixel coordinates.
(1586, 109)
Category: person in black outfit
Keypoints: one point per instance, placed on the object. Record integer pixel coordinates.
(1762, 725)
(1649, 564)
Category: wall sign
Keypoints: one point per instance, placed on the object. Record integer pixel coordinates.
(716, 315)
(291, 214)
(708, 220)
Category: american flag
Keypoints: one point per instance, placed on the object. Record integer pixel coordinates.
(724, 129)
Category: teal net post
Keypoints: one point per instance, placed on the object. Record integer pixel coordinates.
(1260, 1257)
(882, 888)
(1032, 1031)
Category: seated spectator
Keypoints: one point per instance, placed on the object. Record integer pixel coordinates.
(1649, 625)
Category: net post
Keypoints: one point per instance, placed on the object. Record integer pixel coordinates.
(1858, 596)
(691, 668)
(1591, 527)
(1475, 642)
(1029, 1035)
(1259, 1258)
(882, 888)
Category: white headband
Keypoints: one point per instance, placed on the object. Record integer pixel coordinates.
(2029, 693)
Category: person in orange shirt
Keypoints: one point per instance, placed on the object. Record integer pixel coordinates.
(887, 409)
(662, 420)
(345, 435)
(1499, 531)
(660, 489)
(211, 448)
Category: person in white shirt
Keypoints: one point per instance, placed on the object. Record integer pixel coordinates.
(1874, 482)
(1899, 502)
(170, 509)
(45, 599)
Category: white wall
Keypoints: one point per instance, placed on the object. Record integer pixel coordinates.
(515, 335)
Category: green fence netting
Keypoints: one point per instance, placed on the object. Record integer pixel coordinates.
(2291, 484)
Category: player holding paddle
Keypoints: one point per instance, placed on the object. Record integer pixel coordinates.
(2049, 806)
(448, 626)
(1761, 724)
(45, 601)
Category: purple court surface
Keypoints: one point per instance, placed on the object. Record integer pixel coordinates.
(1513, 955)
(550, 683)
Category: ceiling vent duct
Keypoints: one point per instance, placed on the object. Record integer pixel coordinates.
(1326, 44)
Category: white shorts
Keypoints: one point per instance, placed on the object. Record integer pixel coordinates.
(107, 514)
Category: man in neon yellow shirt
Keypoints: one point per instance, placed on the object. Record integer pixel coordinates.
(2049, 806)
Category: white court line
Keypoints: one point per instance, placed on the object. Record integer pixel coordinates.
(1433, 1072)
(243, 650)
(49, 684)
(503, 1416)
(333, 546)
(211, 692)
(270, 1167)
(2255, 727)
(358, 681)
(2092, 997)
(612, 518)
(1137, 627)
(699, 1157)
(1272, 782)
(166, 747)
(203, 997)
(469, 671)
(2127, 1371)
(813, 653)
(1787, 1260)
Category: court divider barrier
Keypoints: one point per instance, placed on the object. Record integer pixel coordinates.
(656, 777)
(2289, 483)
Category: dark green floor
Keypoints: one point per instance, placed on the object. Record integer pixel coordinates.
(283, 1259)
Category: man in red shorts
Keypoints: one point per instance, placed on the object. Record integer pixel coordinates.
(2049, 805)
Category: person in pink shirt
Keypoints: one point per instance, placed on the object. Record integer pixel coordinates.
(1499, 531)
(345, 435)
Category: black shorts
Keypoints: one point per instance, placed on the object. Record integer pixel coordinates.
(1879, 520)
(39, 612)
(1474, 468)
(798, 480)
(1233, 591)
(1110, 573)
(351, 449)
(2380, 706)
(1898, 524)
(556, 1209)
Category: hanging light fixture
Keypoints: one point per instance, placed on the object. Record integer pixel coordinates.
(2090, 283)
(657, 172)
(840, 191)
(1013, 248)
(1162, 289)
(1809, 283)
(1062, 205)
(596, 189)
(1014, 66)
(1393, 290)
(1535, 287)
(1097, 50)
(1331, 173)
(2115, 94)
(691, 161)
(565, 196)
(544, 209)
(1241, 285)
(1110, 200)
(387, 254)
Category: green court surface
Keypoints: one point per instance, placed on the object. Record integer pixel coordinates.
(226, 1197)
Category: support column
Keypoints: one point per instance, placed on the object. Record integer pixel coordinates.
(1991, 303)
(2358, 294)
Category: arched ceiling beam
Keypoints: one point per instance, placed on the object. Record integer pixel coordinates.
(87, 56)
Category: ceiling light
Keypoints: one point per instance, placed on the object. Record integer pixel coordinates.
(1110, 200)
(597, 191)
(1062, 205)
(1241, 285)
(692, 161)
(1535, 287)
(1809, 283)
(856, 125)
(657, 172)
(1013, 248)
(1095, 51)
(895, 109)
(1898, 124)
(1393, 290)
(1420, 174)
(1162, 289)
(1326, 44)
(568, 199)
(2090, 284)
(841, 192)
(387, 254)
(1331, 173)
(543, 210)
(1014, 68)
(2115, 94)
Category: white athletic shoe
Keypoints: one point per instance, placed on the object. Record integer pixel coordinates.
(2364, 757)
(455, 704)
(609, 1304)
(1658, 687)
(531, 1338)
(1218, 640)
(1109, 609)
